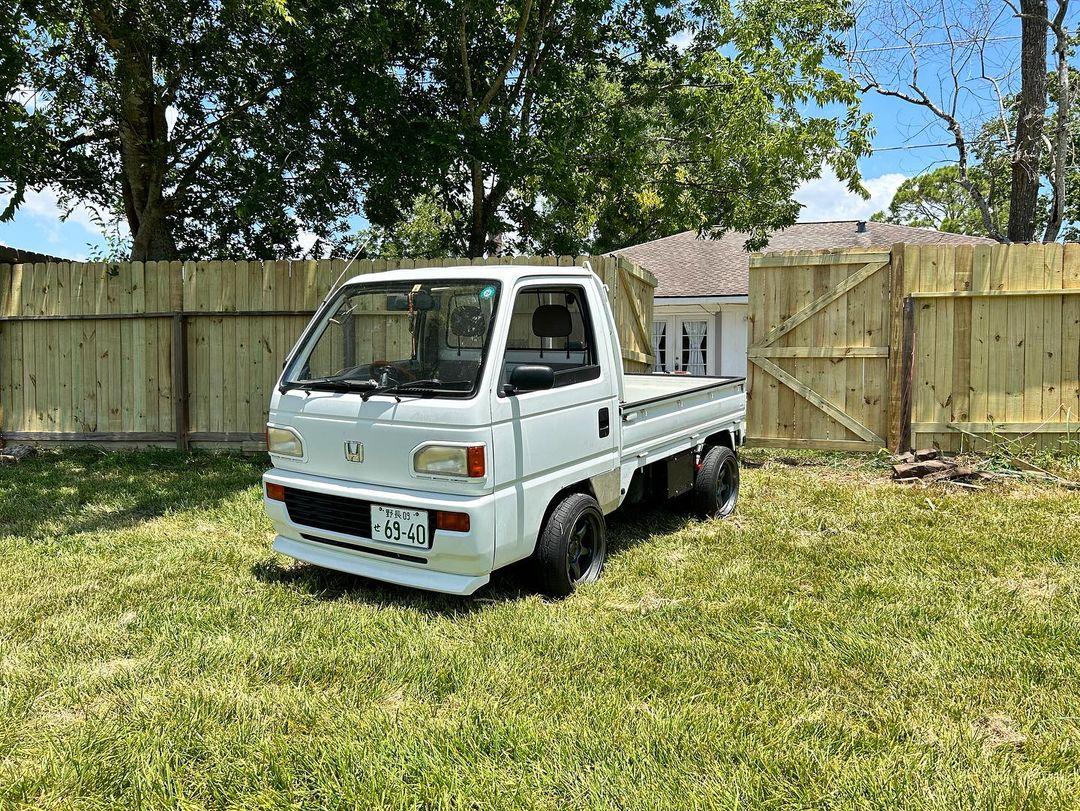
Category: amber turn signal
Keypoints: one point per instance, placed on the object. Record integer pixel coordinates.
(454, 522)
(275, 492)
(476, 464)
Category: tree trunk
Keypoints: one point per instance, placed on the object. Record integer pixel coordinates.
(1031, 114)
(477, 220)
(153, 242)
(144, 135)
(1060, 151)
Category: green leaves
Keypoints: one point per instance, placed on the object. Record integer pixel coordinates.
(612, 135)
(470, 127)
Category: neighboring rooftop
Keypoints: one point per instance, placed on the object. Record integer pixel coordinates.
(688, 265)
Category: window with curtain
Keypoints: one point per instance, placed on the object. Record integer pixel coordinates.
(659, 345)
(694, 349)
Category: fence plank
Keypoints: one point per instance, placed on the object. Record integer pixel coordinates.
(190, 351)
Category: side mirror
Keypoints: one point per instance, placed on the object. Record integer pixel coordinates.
(530, 378)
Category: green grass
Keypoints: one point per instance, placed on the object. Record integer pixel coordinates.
(842, 642)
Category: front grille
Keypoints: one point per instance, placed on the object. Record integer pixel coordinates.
(350, 516)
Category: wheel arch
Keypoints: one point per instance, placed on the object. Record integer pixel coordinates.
(584, 486)
(726, 438)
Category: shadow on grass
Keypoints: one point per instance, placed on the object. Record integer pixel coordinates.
(509, 584)
(87, 490)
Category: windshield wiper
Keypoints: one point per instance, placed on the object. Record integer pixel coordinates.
(331, 384)
(429, 384)
(418, 388)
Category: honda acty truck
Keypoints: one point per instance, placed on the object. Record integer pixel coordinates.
(434, 425)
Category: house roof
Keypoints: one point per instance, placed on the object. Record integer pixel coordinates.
(688, 265)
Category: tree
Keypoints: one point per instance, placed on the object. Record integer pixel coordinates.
(937, 200)
(980, 96)
(581, 126)
(209, 128)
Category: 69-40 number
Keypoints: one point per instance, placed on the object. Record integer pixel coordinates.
(415, 534)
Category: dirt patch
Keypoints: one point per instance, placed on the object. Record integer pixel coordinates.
(998, 732)
(1034, 591)
(647, 602)
(114, 667)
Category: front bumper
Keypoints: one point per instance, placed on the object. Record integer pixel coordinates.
(456, 563)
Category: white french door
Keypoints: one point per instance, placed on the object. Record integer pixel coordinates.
(684, 344)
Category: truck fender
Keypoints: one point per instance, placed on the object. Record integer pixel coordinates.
(584, 486)
(725, 439)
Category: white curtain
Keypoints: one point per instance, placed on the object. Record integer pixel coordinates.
(659, 345)
(696, 333)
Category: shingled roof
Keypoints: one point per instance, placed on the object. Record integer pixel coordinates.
(687, 265)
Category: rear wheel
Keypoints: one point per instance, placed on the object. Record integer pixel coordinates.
(573, 545)
(716, 485)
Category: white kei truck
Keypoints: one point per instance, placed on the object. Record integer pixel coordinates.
(434, 425)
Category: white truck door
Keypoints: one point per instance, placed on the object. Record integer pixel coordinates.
(546, 440)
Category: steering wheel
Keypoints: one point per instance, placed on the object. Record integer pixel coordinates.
(385, 373)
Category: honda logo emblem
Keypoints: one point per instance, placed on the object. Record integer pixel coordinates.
(354, 451)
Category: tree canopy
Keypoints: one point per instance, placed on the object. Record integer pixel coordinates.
(574, 127)
(208, 128)
(214, 128)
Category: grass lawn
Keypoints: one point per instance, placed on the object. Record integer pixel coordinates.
(843, 642)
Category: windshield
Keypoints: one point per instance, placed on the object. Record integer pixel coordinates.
(418, 338)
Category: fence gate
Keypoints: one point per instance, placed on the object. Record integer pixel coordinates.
(821, 324)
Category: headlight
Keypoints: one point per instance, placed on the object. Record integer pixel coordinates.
(450, 460)
(284, 442)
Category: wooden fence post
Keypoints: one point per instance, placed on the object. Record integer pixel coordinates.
(907, 367)
(897, 356)
(179, 358)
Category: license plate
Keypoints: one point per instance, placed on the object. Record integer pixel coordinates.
(399, 525)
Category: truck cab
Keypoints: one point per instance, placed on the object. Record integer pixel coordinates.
(432, 426)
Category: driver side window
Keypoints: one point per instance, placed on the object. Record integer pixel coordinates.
(551, 326)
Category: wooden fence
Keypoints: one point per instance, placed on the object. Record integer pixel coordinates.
(188, 353)
(915, 345)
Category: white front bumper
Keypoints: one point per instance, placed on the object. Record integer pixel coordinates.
(342, 560)
(456, 563)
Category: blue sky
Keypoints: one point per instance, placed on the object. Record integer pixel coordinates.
(901, 129)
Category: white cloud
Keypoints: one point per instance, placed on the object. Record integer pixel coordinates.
(37, 225)
(26, 96)
(306, 241)
(45, 205)
(683, 40)
(827, 198)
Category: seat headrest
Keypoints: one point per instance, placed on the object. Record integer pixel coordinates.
(551, 321)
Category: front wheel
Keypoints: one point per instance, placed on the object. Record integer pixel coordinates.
(716, 485)
(572, 546)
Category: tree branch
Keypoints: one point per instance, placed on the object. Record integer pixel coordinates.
(89, 138)
(511, 58)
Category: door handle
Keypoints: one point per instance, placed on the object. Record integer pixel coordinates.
(605, 422)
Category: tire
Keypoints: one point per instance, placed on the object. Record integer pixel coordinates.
(716, 485)
(574, 527)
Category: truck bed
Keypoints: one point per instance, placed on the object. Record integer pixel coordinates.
(664, 414)
(643, 389)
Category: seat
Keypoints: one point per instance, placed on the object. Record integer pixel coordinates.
(552, 321)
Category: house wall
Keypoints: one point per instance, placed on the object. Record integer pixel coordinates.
(726, 337)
